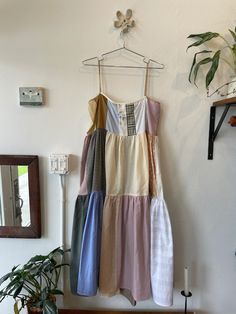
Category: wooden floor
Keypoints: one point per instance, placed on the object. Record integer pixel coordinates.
(113, 312)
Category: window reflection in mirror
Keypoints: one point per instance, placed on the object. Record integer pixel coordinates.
(14, 196)
(20, 213)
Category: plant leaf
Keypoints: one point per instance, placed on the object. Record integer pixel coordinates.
(49, 307)
(194, 62)
(213, 68)
(2, 295)
(234, 49)
(58, 249)
(14, 268)
(12, 285)
(204, 37)
(22, 302)
(18, 290)
(4, 278)
(38, 258)
(233, 34)
(201, 35)
(203, 61)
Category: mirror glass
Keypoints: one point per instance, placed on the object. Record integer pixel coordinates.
(14, 196)
(20, 215)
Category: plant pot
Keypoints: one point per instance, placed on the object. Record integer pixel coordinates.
(36, 310)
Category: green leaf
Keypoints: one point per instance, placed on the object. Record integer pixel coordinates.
(48, 265)
(38, 258)
(56, 250)
(194, 62)
(203, 61)
(233, 34)
(14, 268)
(29, 265)
(234, 49)
(18, 290)
(4, 278)
(12, 285)
(2, 296)
(204, 37)
(213, 68)
(49, 307)
(201, 35)
(22, 302)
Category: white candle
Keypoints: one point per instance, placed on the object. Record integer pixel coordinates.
(186, 289)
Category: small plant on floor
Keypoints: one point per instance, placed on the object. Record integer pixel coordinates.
(213, 57)
(35, 284)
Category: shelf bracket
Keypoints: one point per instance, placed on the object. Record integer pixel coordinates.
(227, 103)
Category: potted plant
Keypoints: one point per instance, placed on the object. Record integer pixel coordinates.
(213, 57)
(35, 284)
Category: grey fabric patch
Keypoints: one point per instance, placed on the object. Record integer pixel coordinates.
(96, 177)
(96, 181)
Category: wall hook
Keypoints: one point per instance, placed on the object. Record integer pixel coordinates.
(124, 21)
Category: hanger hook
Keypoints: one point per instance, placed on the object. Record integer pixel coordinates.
(123, 39)
(146, 60)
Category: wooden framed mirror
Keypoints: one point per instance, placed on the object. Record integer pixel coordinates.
(20, 214)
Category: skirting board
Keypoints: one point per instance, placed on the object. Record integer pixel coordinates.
(64, 311)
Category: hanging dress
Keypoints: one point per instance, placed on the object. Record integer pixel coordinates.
(122, 238)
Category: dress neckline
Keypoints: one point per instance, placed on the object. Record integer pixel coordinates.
(123, 103)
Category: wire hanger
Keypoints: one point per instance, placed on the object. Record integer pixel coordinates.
(146, 60)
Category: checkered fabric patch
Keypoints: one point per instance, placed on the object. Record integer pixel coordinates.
(131, 126)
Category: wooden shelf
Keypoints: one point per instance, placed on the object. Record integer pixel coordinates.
(227, 103)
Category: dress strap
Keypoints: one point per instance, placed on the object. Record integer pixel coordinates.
(146, 79)
(99, 74)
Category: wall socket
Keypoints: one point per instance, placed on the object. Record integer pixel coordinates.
(59, 163)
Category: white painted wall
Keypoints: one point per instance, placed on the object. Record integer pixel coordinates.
(42, 43)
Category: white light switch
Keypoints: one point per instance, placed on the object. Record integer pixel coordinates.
(59, 163)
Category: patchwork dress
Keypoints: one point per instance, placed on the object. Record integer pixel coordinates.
(122, 238)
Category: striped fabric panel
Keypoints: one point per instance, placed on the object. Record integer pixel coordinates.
(161, 253)
(96, 178)
(131, 126)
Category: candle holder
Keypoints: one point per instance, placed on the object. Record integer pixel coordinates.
(186, 300)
